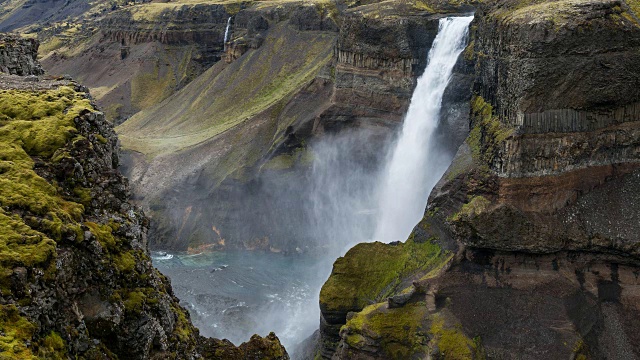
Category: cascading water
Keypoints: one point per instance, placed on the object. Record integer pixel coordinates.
(414, 165)
(226, 33)
(234, 295)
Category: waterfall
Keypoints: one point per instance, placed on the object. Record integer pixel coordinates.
(226, 33)
(414, 165)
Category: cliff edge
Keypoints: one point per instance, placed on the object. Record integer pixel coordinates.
(533, 229)
(76, 279)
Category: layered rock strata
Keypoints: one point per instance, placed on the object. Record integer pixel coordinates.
(537, 213)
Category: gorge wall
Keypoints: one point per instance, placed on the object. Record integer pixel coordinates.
(229, 182)
(76, 279)
(528, 245)
(133, 57)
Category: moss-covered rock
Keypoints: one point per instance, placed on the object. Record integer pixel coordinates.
(397, 333)
(369, 273)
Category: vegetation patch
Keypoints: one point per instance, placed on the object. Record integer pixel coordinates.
(15, 331)
(488, 133)
(34, 124)
(474, 206)
(452, 343)
(371, 272)
(52, 347)
(398, 332)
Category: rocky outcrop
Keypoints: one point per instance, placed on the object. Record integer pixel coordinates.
(537, 212)
(18, 56)
(76, 279)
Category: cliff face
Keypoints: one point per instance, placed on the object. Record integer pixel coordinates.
(132, 57)
(220, 173)
(76, 279)
(18, 57)
(537, 215)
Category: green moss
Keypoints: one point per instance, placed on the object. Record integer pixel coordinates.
(104, 234)
(54, 110)
(84, 195)
(134, 301)
(487, 133)
(474, 206)
(451, 342)
(14, 330)
(35, 124)
(184, 330)
(125, 261)
(373, 271)
(39, 124)
(398, 331)
(52, 347)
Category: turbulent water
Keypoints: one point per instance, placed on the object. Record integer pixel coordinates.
(415, 164)
(236, 294)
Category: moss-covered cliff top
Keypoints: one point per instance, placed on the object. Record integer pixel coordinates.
(56, 152)
(564, 12)
(371, 272)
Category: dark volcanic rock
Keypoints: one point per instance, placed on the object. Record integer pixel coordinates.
(538, 210)
(18, 56)
(76, 278)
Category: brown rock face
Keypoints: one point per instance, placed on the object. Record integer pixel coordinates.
(539, 209)
(553, 146)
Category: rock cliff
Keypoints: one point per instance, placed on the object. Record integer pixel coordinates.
(76, 279)
(212, 170)
(536, 217)
(18, 56)
(134, 56)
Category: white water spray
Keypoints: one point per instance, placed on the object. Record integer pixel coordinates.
(226, 33)
(414, 165)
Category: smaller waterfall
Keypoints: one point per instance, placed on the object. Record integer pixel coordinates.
(226, 33)
(415, 164)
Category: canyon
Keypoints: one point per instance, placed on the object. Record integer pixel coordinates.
(528, 245)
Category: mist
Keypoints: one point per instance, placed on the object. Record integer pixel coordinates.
(367, 183)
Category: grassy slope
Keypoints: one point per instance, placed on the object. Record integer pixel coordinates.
(209, 106)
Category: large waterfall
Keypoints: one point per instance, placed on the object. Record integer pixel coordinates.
(352, 186)
(414, 165)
